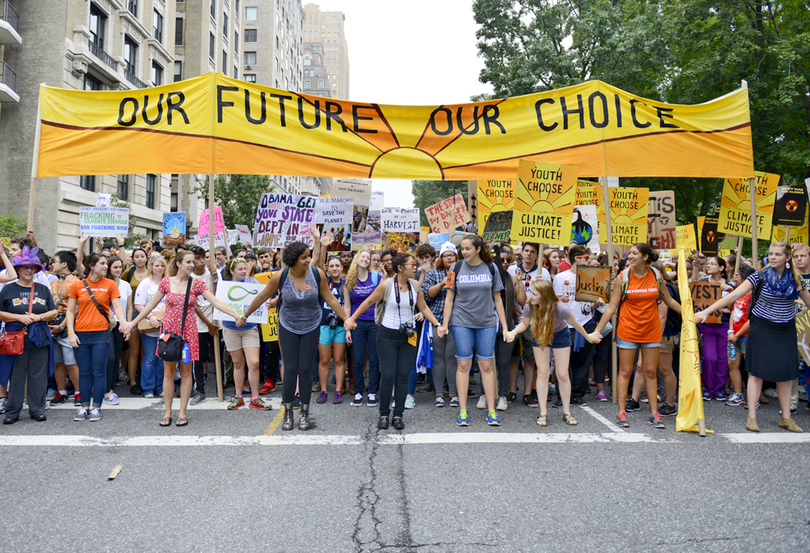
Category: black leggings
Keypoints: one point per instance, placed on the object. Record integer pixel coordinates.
(114, 358)
(206, 341)
(398, 359)
(299, 352)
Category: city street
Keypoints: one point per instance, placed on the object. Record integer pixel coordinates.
(233, 479)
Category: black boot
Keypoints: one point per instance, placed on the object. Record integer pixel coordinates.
(289, 420)
(303, 422)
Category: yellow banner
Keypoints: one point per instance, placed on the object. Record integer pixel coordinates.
(690, 394)
(798, 235)
(215, 124)
(628, 216)
(685, 237)
(544, 206)
(735, 206)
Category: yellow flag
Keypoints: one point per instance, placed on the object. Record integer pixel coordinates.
(690, 395)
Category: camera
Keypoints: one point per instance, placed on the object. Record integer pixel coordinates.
(407, 329)
(332, 319)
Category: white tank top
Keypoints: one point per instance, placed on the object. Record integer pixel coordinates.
(402, 313)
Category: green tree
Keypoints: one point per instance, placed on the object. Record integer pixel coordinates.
(238, 195)
(428, 192)
(12, 227)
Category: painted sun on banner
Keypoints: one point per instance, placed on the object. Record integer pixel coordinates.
(735, 207)
(544, 206)
(628, 216)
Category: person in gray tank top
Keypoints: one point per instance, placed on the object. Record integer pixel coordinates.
(299, 323)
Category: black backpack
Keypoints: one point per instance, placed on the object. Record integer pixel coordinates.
(283, 278)
(674, 320)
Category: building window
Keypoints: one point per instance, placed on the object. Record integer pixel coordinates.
(250, 58)
(236, 43)
(224, 24)
(98, 24)
(214, 9)
(251, 13)
(178, 71)
(88, 182)
(132, 6)
(212, 44)
(235, 72)
(122, 188)
(157, 26)
(178, 31)
(306, 84)
(307, 61)
(173, 206)
(250, 77)
(320, 84)
(337, 35)
(251, 35)
(91, 83)
(157, 74)
(224, 62)
(130, 54)
(236, 9)
(150, 191)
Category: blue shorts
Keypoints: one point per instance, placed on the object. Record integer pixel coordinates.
(482, 339)
(329, 336)
(562, 339)
(624, 344)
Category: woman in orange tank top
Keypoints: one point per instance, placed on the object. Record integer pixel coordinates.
(639, 326)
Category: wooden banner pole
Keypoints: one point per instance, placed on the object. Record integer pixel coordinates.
(212, 256)
(32, 191)
(614, 354)
(754, 243)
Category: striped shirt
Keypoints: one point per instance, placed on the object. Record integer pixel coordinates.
(770, 306)
(436, 305)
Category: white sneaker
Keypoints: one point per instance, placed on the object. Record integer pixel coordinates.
(482, 402)
(503, 405)
(771, 393)
(112, 399)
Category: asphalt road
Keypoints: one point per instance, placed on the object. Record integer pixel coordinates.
(233, 480)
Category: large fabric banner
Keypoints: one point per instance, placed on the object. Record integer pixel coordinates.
(215, 124)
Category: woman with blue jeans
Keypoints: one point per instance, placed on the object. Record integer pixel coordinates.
(152, 367)
(360, 283)
(472, 309)
(89, 332)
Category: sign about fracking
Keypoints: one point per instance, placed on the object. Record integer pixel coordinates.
(103, 221)
(282, 219)
(735, 206)
(544, 204)
(174, 228)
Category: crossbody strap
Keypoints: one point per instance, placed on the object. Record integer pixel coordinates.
(185, 307)
(31, 298)
(92, 297)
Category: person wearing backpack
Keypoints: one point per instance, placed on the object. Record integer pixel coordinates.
(670, 342)
(635, 297)
(771, 353)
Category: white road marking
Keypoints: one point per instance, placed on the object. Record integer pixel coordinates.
(514, 438)
(768, 438)
(132, 403)
(602, 419)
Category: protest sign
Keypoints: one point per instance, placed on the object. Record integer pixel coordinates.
(103, 200)
(544, 202)
(661, 220)
(735, 206)
(238, 296)
(203, 227)
(219, 240)
(709, 238)
(704, 294)
(232, 236)
(585, 227)
(803, 334)
(495, 195)
(498, 226)
(245, 237)
(685, 237)
(356, 190)
(612, 182)
(174, 229)
(789, 206)
(593, 283)
(394, 219)
(282, 219)
(371, 234)
(270, 328)
(436, 239)
(335, 215)
(628, 215)
(447, 214)
(588, 193)
(103, 221)
(798, 234)
(403, 241)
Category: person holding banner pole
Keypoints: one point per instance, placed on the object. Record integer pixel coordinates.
(771, 352)
(299, 324)
(174, 290)
(715, 336)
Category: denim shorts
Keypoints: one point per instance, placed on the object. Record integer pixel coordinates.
(63, 351)
(329, 336)
(482, 339)
(624, 344)
(562, 339)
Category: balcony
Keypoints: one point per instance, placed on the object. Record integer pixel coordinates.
(9, 24)
(130, 76)
(8, 84)
(99, 52)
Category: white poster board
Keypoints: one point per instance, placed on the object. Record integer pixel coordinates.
(238, 296)
(103, 221)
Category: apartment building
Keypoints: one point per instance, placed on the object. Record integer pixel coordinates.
(327, 28)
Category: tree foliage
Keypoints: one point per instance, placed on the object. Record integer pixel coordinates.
(12, 227)
(237, 195)
(428, 192)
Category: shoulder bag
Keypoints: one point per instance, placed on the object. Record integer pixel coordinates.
(170, 345)
(12, 343)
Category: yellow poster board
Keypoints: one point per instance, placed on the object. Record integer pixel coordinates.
(544, 204)
(798, 235)
(269, 329)
(628, 215)
(589, 193)
(735, 207)
(495, 195)
(686, 238)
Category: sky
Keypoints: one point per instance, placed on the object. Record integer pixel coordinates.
(410, 53)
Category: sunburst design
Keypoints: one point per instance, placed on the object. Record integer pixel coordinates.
(546, 187)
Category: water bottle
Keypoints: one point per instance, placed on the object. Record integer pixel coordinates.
(186, 354)
(732, 350)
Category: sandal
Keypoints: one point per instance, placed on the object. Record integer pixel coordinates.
(165, 421)
(569, 419)
(542, 420)
(182, 421)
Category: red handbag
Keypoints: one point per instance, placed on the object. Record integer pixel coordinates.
(12, 343)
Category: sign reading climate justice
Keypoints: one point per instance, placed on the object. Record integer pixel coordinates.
(735, 206)
(628, 215)
(215, 124)
(544, 205)
(103, 221)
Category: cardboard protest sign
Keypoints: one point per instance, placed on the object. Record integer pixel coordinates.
(245, 236)
(661, 220)
(798, 234)
(704, 294)
(790, 205)
(335, 215)
(628, 216)
(282, 219)
(371, 235)
(803, 334)
(735, 206)
(270, 328)
(238, 296)
(498, 226)
(585, 227)
(436, 239)
(356, 190)
(685, 237)
(103, 221)
(174, 229)
(593, 283)
(544, 203)
(588, 193)
(203, 229)
(447, 214)
(709, 238)
(394, 219)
